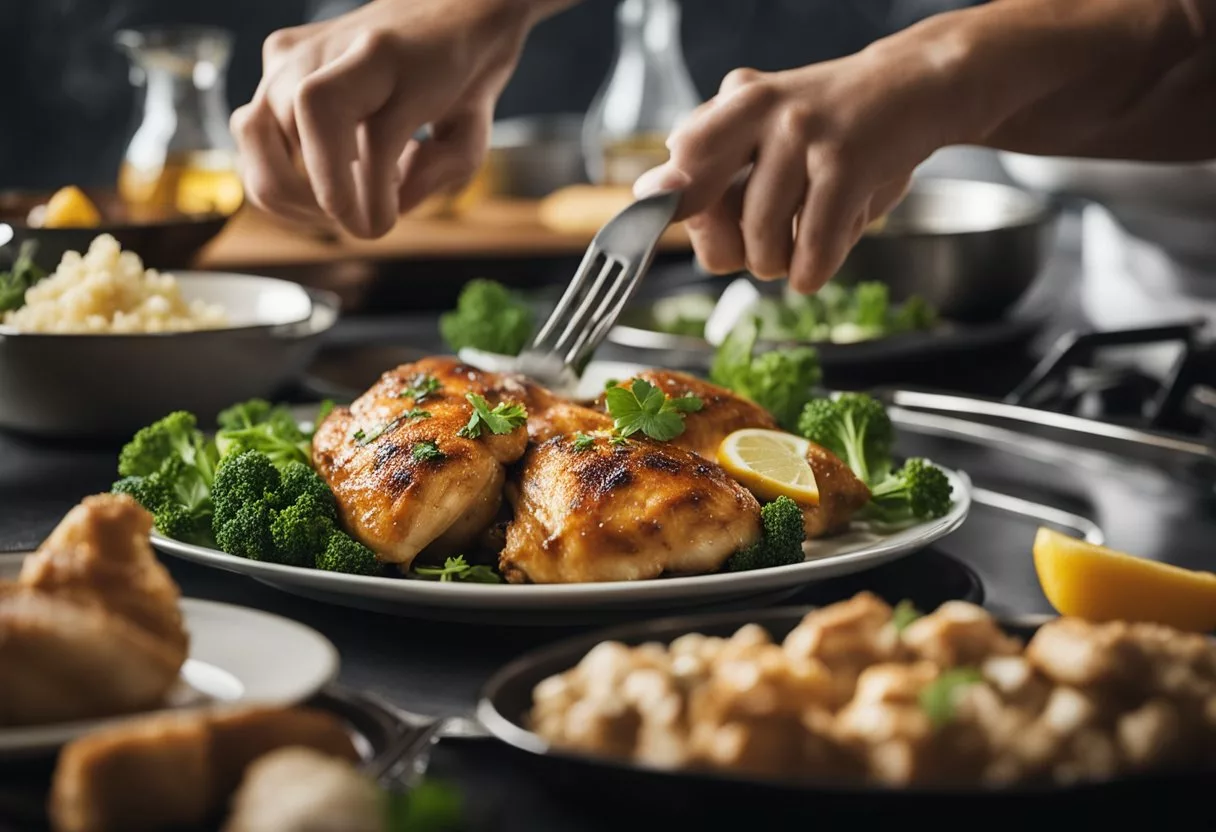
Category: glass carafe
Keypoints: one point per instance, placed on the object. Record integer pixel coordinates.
(181, 158)
(647, 92)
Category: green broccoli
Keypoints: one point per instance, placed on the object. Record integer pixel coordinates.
(917, 491)
(343, 553)
(913, 315)
(168, 467)
(780, 381)
(20, 278)
(856, 428)
(781, 543)
(302, 530)
(249, 477)
(247, 533)
(297, 480)
(871, 304)
(488, 317)
(257, 425)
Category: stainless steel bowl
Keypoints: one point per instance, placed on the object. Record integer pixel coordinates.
(971, 249)
(533, 156)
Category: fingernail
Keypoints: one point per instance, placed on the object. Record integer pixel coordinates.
(656, 180)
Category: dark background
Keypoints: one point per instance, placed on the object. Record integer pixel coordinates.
(66, 106)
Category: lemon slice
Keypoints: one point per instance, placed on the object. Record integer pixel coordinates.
(771, 464)
(1100, 584)
(70, 208)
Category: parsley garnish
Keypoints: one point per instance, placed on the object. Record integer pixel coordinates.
(458, 569)
(937, 699)
(903, 615)
(426, 451)
(364, 437)
(583, 441)
(420, 388)
(416, 413)
(644, 407)
(618, 441)
(504, 418)
(610, 383)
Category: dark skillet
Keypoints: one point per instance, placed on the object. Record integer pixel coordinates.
(652, 796)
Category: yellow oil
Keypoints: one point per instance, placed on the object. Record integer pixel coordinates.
(627, 159)
(198, 182)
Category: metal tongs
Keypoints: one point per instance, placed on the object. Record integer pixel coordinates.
(615, 263)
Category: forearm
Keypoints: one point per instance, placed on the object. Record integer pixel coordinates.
(1072, 77)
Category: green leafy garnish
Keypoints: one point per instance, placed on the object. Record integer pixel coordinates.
(363, 437)
(504, 418)
(326, 407)
(458, 569)
(618, 441)
(781, 381)
(903, 615)
(427, 451)
(487, 317)
(15, 282)
(420, 388)
(938, 698)
(645, 408)
(583, 441)
(416, 413)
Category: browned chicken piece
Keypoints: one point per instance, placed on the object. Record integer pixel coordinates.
(722, 412)
(177, 769)
(623, 512)
(100, 554)
(550, 415)
(91, 628)
(957, 634)
(404, 479)
(841, 494)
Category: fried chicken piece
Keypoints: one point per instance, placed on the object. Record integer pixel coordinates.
(177, 769)
(100, 554)
(392, 494)
(623, 512)
(301, 790)
(841, 494)
(722, 412)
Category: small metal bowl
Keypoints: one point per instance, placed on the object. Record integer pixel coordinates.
(165, 243)
(533, 156)
(969, 248)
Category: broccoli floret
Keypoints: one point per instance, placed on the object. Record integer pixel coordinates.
(871, 305)
(780, 381)
(781, 543)
(917, 491)
(856, 428)
(297, 480)
(247, 478)
(488, 317)
(176, 435)
(247, 533)
(345, 554)
(914, 315)
(177, 497)
(302, 530)
(257, 425)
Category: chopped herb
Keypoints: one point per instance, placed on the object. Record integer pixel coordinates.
(618, 440)
(458, 569)
(23, 275)
(583, 441)
(904, 614)
(323, 412)
(610, 383)
(430, 806)
(427, 451)
(364, 437)
(420, 388)
(504, 418)
(644, 407)
(416, 413)
(938, 698)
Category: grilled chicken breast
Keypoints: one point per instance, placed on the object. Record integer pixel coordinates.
(404, 479)
(722, 412)
(550, 415)
(841, 494)
(624, 512)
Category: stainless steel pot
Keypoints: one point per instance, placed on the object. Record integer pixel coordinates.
(533, 156)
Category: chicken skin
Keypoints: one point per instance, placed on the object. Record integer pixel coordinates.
(841, 494)
(622, 512)
(721, 414)
(404, 478)
(91, 628)
(550, 415)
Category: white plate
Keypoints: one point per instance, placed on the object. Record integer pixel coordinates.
(237, 656)
(843, 554)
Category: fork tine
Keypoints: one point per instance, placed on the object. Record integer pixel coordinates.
(579, 320)
(569, 296)
(607, 311)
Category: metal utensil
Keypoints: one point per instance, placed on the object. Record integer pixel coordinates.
(615, 262)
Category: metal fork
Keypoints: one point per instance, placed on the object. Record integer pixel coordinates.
(615, 262)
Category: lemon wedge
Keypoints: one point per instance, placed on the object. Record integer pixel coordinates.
(1100, 584)
(70, 208)
(771, 464)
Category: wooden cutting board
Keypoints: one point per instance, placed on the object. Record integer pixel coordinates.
(491, 229)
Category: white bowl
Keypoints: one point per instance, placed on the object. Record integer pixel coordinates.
(110, 385)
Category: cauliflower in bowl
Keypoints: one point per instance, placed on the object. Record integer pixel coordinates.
(108, 290)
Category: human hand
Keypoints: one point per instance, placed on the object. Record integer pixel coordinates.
(330, 130)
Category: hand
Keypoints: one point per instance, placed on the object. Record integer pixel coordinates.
(343, 99)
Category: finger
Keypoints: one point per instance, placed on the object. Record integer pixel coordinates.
(714, 145)
(272, 182)
(828, 225)
(329, 106)
(775, 192)
(716, 235)
(886, 198)
(450, 158)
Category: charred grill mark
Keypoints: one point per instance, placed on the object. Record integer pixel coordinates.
(400, 479)
(385, 452)
(660, 462)
(602, 474)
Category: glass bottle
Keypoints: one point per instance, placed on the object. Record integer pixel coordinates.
(647, 92)
(181, 158)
